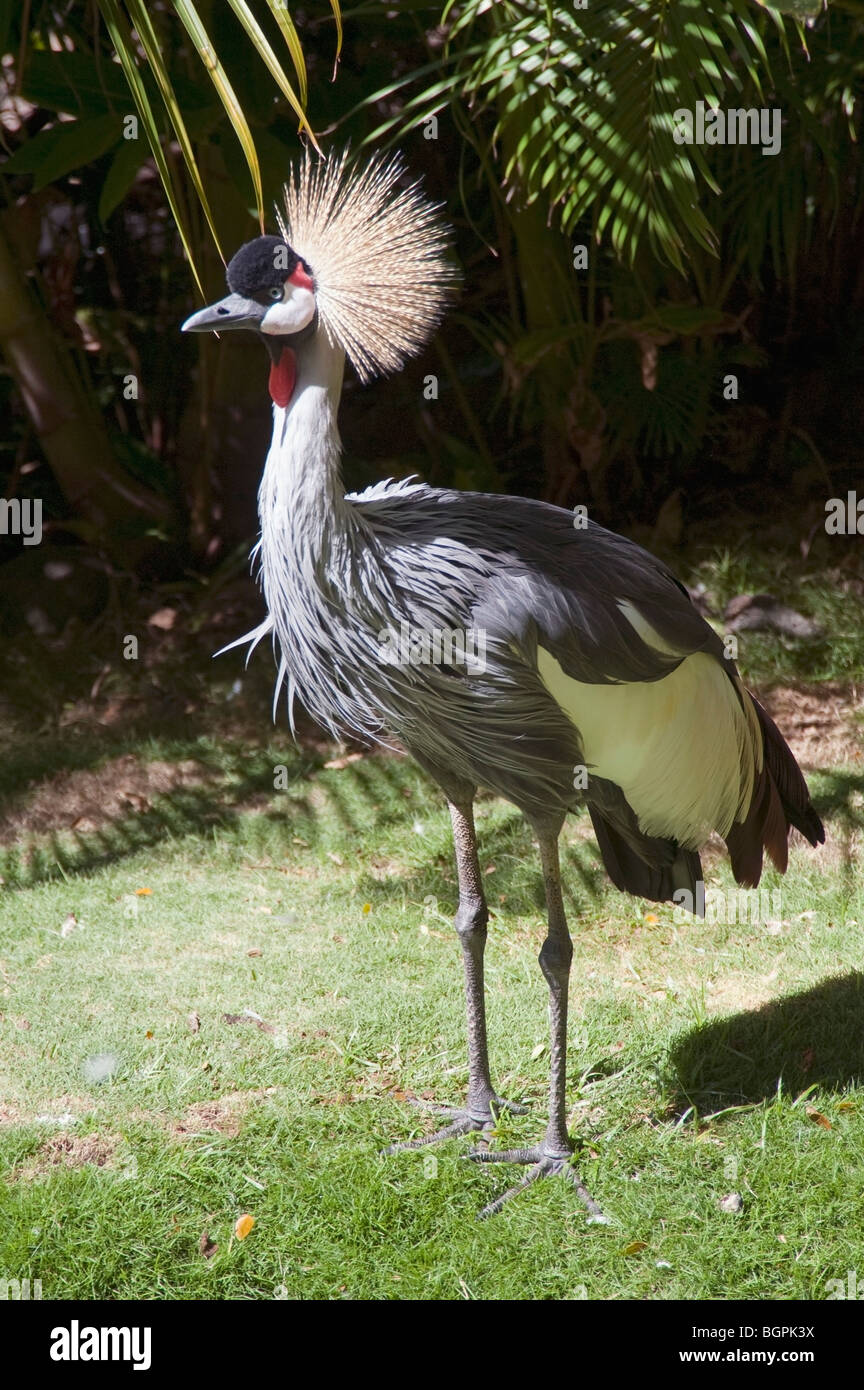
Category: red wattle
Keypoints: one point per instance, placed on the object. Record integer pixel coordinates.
(283, 376)
(301, 278)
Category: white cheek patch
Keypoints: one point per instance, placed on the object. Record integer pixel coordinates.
(290, 314)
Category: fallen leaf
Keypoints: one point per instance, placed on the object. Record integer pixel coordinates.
(206, 1246)
(367, 908)
(249, 1018)
(143, 892)
(817, 1117)
(847, 1105)
(194, 1022)
(244, 1226)
(148, 1034)
(255, 951)
(634, 1247)
(337, 858)
(338, 763)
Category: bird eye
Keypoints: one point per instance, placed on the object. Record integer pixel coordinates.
(276, 293)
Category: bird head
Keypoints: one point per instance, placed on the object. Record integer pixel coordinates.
(361, 259)
(271, 291)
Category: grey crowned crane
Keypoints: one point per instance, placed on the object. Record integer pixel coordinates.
(593, 656)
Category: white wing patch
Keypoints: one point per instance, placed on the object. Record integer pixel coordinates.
(681, 748)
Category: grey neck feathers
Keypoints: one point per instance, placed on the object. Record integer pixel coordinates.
(306, 524)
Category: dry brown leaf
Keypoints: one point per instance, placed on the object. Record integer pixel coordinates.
(249, 1018)
(817, 1117)
(634, 1247)
(244, 1226)
(206, 1246)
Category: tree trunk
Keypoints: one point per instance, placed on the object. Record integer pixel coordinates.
(69, 428)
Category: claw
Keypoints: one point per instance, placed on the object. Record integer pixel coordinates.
(462, 1122)
(464, 1125)
(543, 1165)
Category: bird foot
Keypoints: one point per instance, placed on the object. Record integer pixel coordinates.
(462, 1121)
(542, 1165)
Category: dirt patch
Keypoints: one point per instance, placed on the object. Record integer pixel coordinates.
(70, 1151)
(222, 1115)
(89, 799)
(822, 724)
(56, 1113)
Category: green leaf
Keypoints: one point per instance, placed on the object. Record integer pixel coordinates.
(262, 46)
(53, 153)
(74, 83)
(799, 9)
(292, 41)
(121, 176)
(141, 19)
(8, 11)
(125, 47)
(218, 76)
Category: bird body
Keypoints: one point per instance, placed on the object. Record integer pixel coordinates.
(593, 677)
(628, 682)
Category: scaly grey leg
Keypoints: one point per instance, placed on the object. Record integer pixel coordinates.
(552, 1157)
(472, 915)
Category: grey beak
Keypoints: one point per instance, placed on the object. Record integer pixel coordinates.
(231, 312)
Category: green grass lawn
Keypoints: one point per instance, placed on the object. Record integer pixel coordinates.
(705, 1059)
(155, 882)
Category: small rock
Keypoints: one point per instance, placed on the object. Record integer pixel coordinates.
(733, 1201)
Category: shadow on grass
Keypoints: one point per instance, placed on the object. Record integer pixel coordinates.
(514, 889)
(373, 794)
(377, 790)
(815, 1037)
(840, 800)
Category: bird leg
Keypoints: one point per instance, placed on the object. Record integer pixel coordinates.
(552, 1157)
(483, 1104)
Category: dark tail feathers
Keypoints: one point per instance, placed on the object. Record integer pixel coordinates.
(780, 800)
(657, 881)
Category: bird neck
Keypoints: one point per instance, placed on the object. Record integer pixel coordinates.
(302, 498)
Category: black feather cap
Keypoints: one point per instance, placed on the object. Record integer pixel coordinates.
(261, 265)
